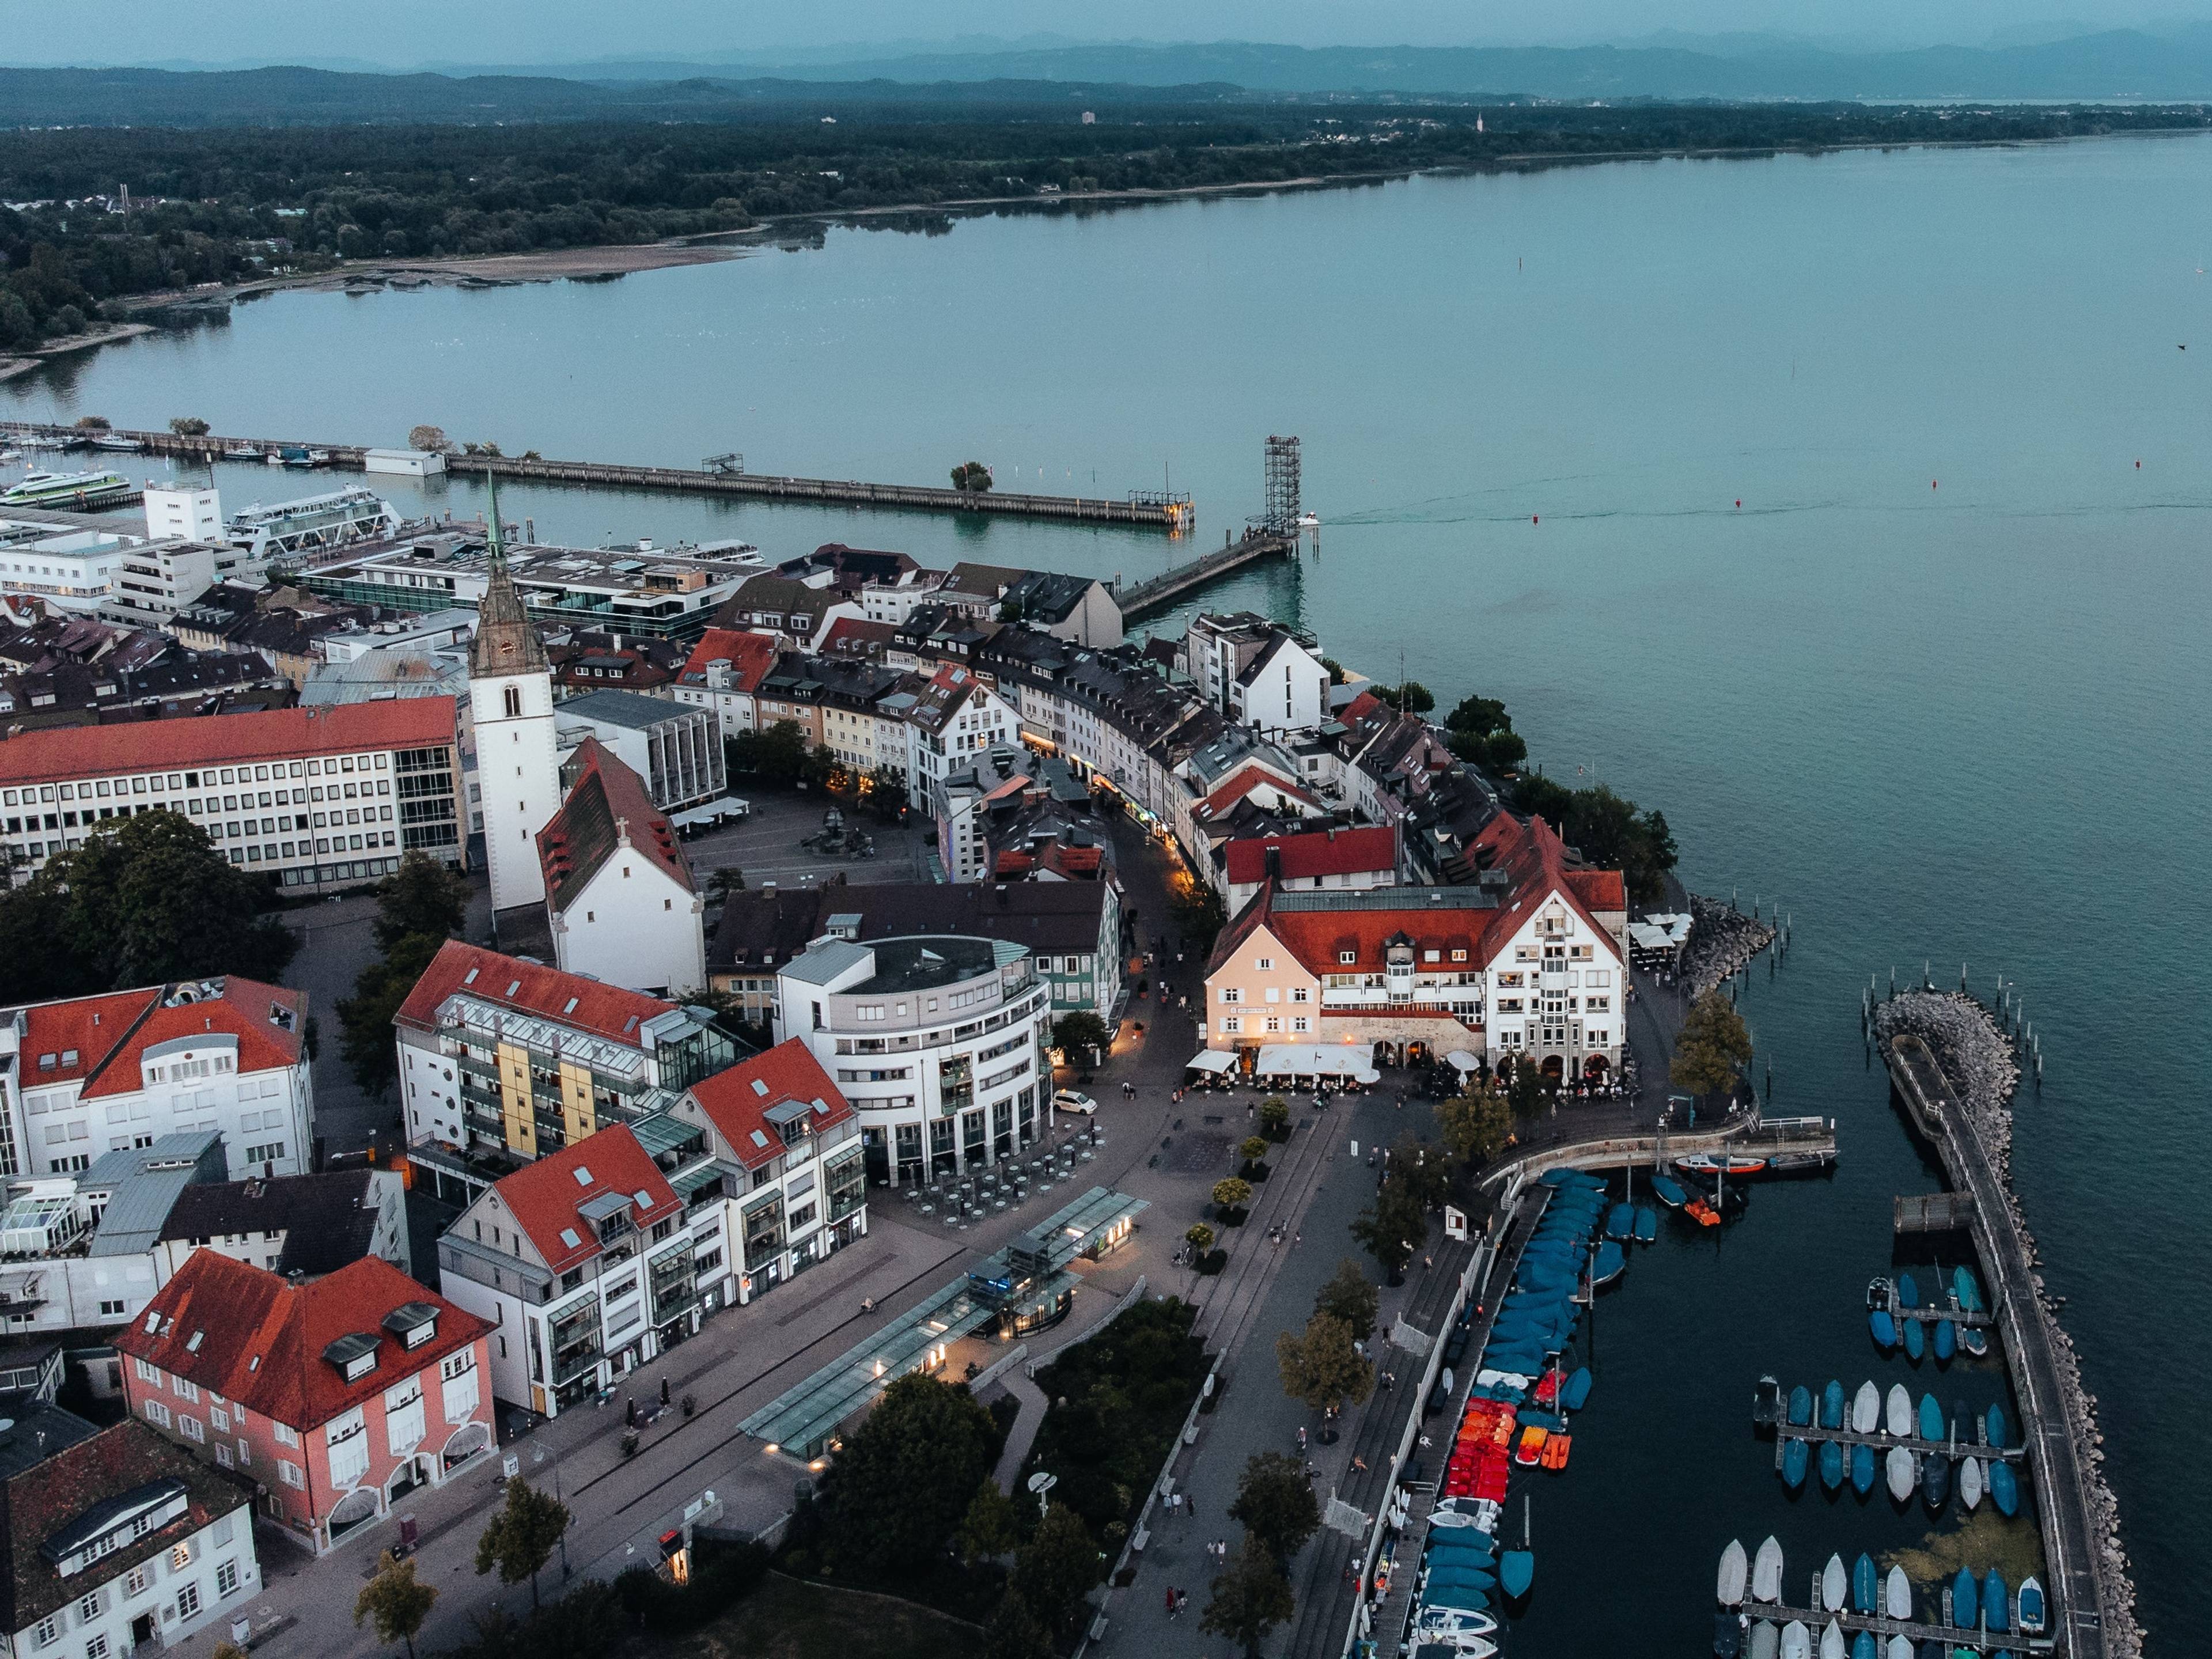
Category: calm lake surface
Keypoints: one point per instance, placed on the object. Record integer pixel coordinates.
(1940, 681)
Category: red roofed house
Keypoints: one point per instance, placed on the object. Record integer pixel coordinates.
(1527, 961)
(308, 797)
(92, 1075)
(806, 1195)
(337, 1396)
(504, 1059)
(592, 1259)
(1334, 860)
(618, 889)
(724, 672)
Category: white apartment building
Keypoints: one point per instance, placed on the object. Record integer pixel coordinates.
(88, 1076)
(618, 888)
(723, 673)
(940, 1042)
(184, 512)
(1256, 673)
(157, 579)
(74, 570)
(955, 721)
(352, 787)
(122, 1541)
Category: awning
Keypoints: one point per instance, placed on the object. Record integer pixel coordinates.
(1464, 1062)
(712, 812)
(1211, 1059)
(1317, 1059)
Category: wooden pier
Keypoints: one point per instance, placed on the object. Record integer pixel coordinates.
(1157, 593)
(1813, 1434)
(1934, 1213)
(2055, 1442)
(1815, 1619)
(1139, 510)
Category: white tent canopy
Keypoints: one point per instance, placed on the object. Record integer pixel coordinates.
(1212, 1059)
(714, 811)
(1462, 1061)
(1317, 1059)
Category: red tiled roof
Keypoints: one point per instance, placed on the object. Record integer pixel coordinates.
(226, 739)
(751, 657)
(253, 1336)
(108, 1034)
(1600, 890)
(852, 636)
(1242, 781)
(1323, 852)
(89, 1027)
(1078, 863)
(606, 809)
(543, 1197)
(737, 1101)
(606, 1010)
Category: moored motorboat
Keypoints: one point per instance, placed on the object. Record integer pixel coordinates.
(1702, 1211)
(1970, 1483)
(1863, 1646)
(1835, 1585)
(1900, 1473)
(2031, 1613)
(1896, 1413)
(1833, 1462)
(1966, 1288)
(1866, 1408)
(1908, 1290)
(1767, 1571)
(1931, 1418)
(1947, 1341)
(1801, 1407)
(1609, 1260)
(1831, 1405)
(1620, 1222)
(1863, 1468)
(1900, 1647)
(1556, 1452)
(1916, 1339)
(1647, 1225)
(1516, 1570)
(1728, 1636)
(1998, 1425)
(1574, 1394)
(1883, 1330)
(1833, 1645)
(2004, 1489)
(1974, 1339)
(1896, 1595)
(1733, 1164)
(1996, 1603)
(1796, 1640)
(1765, 1640)
(1735, 1569)
(1531, 1448)
(1935, 1480)
(1668, 1191)
(1795, 1456)
(1965, 1601)
(1866, 1585)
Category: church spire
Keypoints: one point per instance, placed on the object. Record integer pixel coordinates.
(505, 643)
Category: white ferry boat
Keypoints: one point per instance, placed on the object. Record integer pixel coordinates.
(72, 489)
(351, 514)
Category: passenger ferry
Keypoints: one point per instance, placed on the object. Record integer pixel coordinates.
(351, 515)
(78, 489)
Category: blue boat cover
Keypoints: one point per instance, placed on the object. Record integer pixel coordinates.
(1460, 1578)
(1863, 1469)
(1832, 1464)
(1916, 1340)
(1516, 1570)
(1998, 1425)
(1866, 1582)
(1647, 1225)
(1931, 1418)
(1831, 1405)
(1884, 1329)
(1609, 1262)
(1947, 1339)
(1800, 1405)
(1466, 1601)
(1669, 1193)
(1908, 1290)
(1576, 1390)
(1965, 1601)
(1795, 1454)
(2004, 1488)
(1996, 1601)
(1863, 1645)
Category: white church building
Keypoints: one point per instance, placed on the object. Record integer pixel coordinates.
(618, 889)
(518, 758)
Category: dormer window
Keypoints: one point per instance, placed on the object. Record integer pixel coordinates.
(413, 1323)
(353, 1355)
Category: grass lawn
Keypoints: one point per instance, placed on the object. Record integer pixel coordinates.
(791, 1619)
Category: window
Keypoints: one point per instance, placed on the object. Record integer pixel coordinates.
(97, 1647)
(285, 1433)
(1300, 1022)
(180, 1555)
(140, 1577)
(1232, 993)
(48, 1630)
(1265, 964)
(513, 700)
(1345, 958)
(88, 1607)
(193, 1429)
(226, 1579)
(157, 1413)
(1301, 994)
(288, 1473)
(146, 1373)
(1231, 1025)
(188, 1601)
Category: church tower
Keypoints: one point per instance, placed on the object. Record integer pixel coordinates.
(517, 764)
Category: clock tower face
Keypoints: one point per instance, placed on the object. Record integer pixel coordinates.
(506, 647)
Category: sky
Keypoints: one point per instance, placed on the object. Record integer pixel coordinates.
(408, 33)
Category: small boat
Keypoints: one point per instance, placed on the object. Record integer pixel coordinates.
(1974, 1339)
(1729, 1164)
(1864, 1647)
(1735, 1568)
(1996, 1603)
(1898, 1412)
(1833, 1645)
(2004, 1489)
(1832, 1460)
(1647, 1225)
(1728, 1636)
(242, 452)
(1516, 1570)
(1900, 1473)
(119, 443)
(1935, 1480)
(1795, 1456)
(1531, 1448)
(1916, 1339)
(1998, 1426)
(1550, 1422)
(1900, 1647)
(1908, 1291)
(1866, 1408)
(1765, 1640)
(2031, 1613)
(1556, 1450)
(1931, 1418)
(1574, 1393)
(1796, 1640)
(1965, 1601)
(1947, 1341)
(1767, 1571)
(1831, 1405)
(1702, 1211)
(1766, 1403)
(1609, 1260)
(1668, 1192)
(1883, 1327)
(1620, 1222)
(1966, 1288)
(1896, 1595)
(1863, 1468)
(1970, 1483)
(1835, 1585)
(1801, 1407)
(1866, 1585)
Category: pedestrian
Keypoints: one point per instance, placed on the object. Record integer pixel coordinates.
(1296, 1239)
(1171, 1602)
(1182, 1600)
(1358, 1463)
(1249, 1108)
(1428, 1263)
(664, 1391)
(1190, 1508)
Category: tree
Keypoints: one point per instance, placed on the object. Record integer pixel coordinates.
(422, 896)
(396, 1601)
(1276, 1503)
(1072, 1033)
(971, 476)
(1274, 1116)
(1254, 1148)
(1232, 1194)
(1416, 1166)
(365, 1018)
(1476, 1124)
(777, 752)
(724, 882)
(1479, 716)
(188, 426)
(1410, 698)
(1349, 1297)
(1392, 1228)
(521, 1537)
(1199, 1236)
(1198, 912)
(89, 423)
(898, 1492)
(991, 1527)
(1335, 670)
(1524, 1090)
(1320, 1366)
(146, 900)
(1015, 1632)
(1010, 611)
(1056, 1569)
(1712, 1047)
(1250, 1599)
(430, 439)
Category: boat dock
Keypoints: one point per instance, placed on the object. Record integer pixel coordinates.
(1949, 1313)
(1813, 1434)
(1947, 1636)
(2056, 1444)
(1157, 593)
(1795, 1144)
(720, 475)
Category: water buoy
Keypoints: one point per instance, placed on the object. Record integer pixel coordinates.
(2138, 466)
(1931, 483)
(1739, 502)
(1533, 518)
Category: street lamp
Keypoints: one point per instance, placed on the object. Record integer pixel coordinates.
(537, 1460)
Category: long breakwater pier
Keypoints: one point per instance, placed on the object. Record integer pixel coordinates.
(1157, 593)
(2083, 1604)
(720, 476)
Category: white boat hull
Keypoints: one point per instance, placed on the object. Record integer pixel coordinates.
(1835, 1585)
(1767, 1571)
(1866, 1409)
(1901, 1474)
(1734, 1569)
(1896, 1594)
(1898, 1412)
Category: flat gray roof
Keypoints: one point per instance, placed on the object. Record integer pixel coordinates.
(623, 709)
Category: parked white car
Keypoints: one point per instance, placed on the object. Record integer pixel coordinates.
(1071, 1100)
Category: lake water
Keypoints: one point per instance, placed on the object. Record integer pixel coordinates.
(1939, 681)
